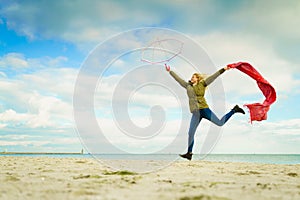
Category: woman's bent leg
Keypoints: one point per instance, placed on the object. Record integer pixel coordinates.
(209, 115)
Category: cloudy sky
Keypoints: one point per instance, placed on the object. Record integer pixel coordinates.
(43, 45)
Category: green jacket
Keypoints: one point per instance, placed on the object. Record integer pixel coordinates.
(196, 92)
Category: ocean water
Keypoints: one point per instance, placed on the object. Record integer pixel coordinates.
(256, 158)
(250, 158)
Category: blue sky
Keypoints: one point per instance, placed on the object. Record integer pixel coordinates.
(44, 43)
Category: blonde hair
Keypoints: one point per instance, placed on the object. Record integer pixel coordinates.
(199, 76)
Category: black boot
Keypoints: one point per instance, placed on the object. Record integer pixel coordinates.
(237, 109)
(188, 155)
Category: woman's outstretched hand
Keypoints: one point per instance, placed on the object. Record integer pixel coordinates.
(167, 67)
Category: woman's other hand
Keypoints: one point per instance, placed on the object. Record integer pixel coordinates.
(167, 67)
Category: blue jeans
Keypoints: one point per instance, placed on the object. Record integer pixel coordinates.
(197, 117)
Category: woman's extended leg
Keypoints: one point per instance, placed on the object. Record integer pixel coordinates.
(196, 118)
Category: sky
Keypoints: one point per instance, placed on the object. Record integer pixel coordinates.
(44, 44)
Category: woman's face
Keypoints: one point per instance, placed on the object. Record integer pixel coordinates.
(194, 79)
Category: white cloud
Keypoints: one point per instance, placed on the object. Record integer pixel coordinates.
(260, 137)
(57, 82)
(19, 64)
(142, 95)
(22, 143)
(13, 141)
(13, 60)
(86, 24)
(90, 18)
(226, 48)
(12, 116)
(48, 112)
(77, 22)
(275, 18)
(39, 98)
(134, 143)
(3, 75)
(2, 125)
(16, 137)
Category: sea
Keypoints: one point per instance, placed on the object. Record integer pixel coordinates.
(248, 158)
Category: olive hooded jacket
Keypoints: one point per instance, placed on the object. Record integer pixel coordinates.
(196, 92)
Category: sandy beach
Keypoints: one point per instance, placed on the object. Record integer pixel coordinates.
(85, 178)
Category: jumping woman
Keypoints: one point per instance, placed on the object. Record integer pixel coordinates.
(198, 107)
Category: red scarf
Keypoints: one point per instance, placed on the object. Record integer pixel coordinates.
(258, 111)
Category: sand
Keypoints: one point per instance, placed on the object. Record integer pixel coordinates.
(85, 178)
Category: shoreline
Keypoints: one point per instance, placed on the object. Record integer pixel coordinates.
(41, 153)
(85, 178)
(279, 159)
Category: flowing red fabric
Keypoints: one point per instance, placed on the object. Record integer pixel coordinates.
(258, 111)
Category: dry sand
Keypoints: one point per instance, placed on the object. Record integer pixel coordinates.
(85, 178)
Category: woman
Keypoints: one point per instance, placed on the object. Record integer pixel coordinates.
(198, 106)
